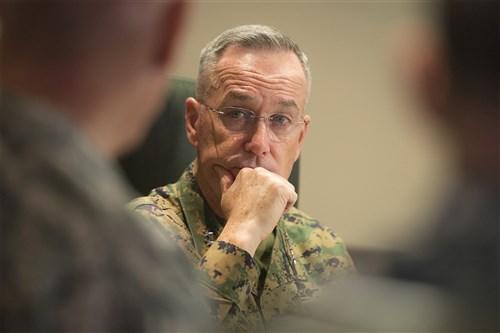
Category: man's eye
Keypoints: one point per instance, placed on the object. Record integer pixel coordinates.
(281, 119)
(236, 113)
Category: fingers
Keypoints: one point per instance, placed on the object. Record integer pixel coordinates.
(289, 194)
(292, 200)
(259, 188)
(226, 178)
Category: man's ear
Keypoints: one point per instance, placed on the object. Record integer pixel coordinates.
(192, 120)
(171, 25)
(302, 136)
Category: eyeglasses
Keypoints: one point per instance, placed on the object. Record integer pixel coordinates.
(240, 120)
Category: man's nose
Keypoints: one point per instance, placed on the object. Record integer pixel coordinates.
(259, 139)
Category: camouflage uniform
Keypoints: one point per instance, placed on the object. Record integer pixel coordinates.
(71, 257)
(302, 254)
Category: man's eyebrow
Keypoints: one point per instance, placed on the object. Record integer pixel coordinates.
(288, 103)
(238, 95)
(243, 97)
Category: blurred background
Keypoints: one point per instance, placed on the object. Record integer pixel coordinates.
(374, 165)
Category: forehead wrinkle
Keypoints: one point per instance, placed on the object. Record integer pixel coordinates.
(227, 78)
(259, 79)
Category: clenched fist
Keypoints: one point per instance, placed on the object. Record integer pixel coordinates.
(253, 203)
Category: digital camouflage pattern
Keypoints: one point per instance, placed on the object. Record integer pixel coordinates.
(305, 255)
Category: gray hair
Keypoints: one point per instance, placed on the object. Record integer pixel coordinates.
(257, 37)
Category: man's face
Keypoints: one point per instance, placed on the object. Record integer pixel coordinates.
(265, 82)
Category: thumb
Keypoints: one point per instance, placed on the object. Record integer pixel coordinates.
(226, 178)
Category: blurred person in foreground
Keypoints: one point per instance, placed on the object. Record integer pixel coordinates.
(80, 84)
(232, 210)
(460, 85)
(451, 281)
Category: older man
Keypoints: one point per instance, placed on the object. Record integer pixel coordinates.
(232, 209)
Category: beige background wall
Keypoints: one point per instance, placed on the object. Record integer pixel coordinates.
(373, 165)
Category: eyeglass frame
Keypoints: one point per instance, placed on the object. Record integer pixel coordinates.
(253, 116)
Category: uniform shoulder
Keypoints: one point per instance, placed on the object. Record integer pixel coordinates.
(297, 219)
(162, 198)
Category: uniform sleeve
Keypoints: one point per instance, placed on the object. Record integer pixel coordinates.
(227, 273)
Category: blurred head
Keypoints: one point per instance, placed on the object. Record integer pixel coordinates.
(457, 78)
(102, 63)
(249, 111)
(471, 47)
(471, 32)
